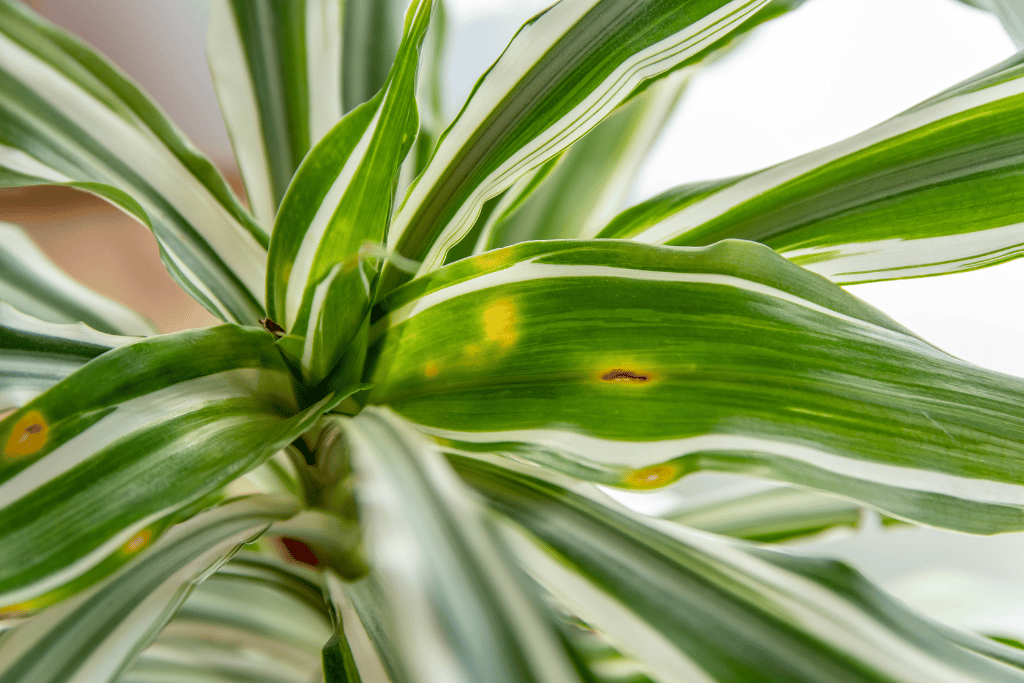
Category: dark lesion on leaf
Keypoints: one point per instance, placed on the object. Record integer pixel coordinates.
(618, 375)
(34, 428)
(272, 327)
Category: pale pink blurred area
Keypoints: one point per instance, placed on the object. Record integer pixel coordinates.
(160, 45)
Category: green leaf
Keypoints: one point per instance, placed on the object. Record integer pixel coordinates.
(334, 217)
(277, 68)
(564, 71)
(454, 606)
(95, 635)
(69, 117)
(760, 511)
(590, 184)
(93, 470)
(695, 607)
(595, 175)
(35, 355)
(217, 633)
(33, 284)
(632, 365)
(936, 189)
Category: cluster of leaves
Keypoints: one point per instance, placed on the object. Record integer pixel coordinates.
(426, 397)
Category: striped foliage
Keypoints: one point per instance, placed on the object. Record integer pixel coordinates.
(566, 69)
(33, 284)
(592, 180)
(277, 68)
(936, 189)
(1009, 12)
(97, 467)
(35, 354)
(94, 636)
(68, 117)
(694, 607)
(328, 235)
(632, 365)
(218, 636)
(436, 561)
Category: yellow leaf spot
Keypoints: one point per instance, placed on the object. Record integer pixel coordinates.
(493, 259)
(431, 369)
(472, 352)
(651, 477)
(20, 609)
(28, 435)
(137, 542)
(500, 323)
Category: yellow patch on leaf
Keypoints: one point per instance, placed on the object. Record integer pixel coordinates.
(137, 542)
(431, 369)
(500, 323)
(27, 436)
(651, 477)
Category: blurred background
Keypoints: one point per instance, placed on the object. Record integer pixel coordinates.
(818, 75)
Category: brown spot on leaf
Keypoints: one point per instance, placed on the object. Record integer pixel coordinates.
(27, 436)
(618, 375)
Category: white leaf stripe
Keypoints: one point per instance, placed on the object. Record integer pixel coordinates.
(33, 284)
(92, 637)
(529, 48)
(418, 518)
(748, 188)
(323, 71)
(130, 146)
(237, 98)
(812, 620)
(135, 414)
(331, 204)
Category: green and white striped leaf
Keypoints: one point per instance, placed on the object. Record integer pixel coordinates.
(564, 71)
(593, 178)
(328, 235)
(217, 634)
(35, 355)
(93, 470)
(766, 512)
(590, 184)
(454, 607)
(362, 648)
(69, 117)
(694, 607)
(33, 284)
(277, 69)
(936, 189)
(94, 636)
(632, 365)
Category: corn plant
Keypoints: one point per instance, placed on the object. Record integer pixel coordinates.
(439, 345)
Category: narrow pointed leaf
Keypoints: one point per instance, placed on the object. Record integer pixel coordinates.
(35, 355)
(67, 116)
(564, 71)
(33, 284)
(277, 68)
(632, 365)
(338, 205)
(695, 607)
(218, 633)
(455, 608)
(936, 189)
(593, 178)
(93, 470)
(95, 635)
(768, 513)
(1009, 12)
(595, 175)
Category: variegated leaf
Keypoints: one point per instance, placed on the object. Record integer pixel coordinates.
(936, 189)
(632, 365)
(452, 604)
(564, 71)
(695, 607)
(328, 234)
(94, 470)
(94, 636)
(69, 117)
